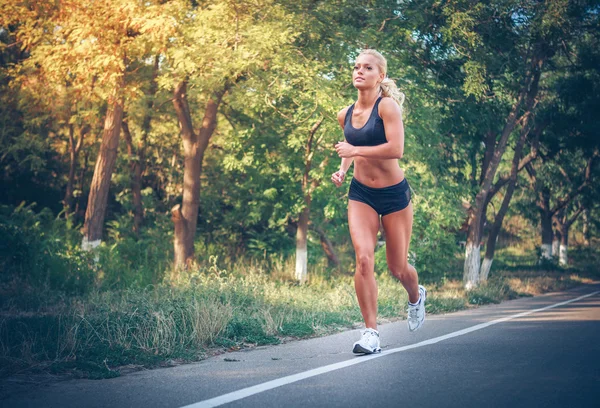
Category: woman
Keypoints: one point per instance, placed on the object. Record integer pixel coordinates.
(374, 135)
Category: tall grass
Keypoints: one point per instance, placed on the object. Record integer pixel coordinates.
(212, 310)
(62, 311)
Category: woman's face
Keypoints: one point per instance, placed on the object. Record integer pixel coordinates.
(366, 73)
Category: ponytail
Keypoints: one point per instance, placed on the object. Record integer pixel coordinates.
(389, 88)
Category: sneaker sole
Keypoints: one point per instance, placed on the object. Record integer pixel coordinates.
(358, 349)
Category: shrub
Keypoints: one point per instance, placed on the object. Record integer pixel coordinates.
(43, 251)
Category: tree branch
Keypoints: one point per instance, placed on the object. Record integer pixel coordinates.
(586, 182)
(574, 217)
(564, 173)
(533, 155)
(82, 132)
(183, 111)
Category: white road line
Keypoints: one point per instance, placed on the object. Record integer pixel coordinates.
(269, 385)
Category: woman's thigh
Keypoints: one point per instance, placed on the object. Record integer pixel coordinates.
(398, 229)
(363, 222)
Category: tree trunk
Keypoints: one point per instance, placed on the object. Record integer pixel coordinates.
(564, 226)
(301, 273)
(68, 200)
(74, 149)
(105, 164)
(185, 216)
(556, 239)
(78, 202)
(558, 220)
(135, 167)
(490, 246)
(472, 246)
(490, 146)
(327, 247)
(556, 244)
(473, 161)
(182, 247)
(563, 258)
(546, 214)
(586, 227)
(546, 225)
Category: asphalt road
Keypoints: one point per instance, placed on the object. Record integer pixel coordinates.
(534, 352)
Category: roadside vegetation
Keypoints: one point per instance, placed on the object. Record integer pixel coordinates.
(62, 312)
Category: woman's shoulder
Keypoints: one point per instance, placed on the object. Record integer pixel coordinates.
(341, 116)
(388, 106)
(387, 102)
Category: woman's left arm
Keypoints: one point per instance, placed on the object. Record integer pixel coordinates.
(394, 132)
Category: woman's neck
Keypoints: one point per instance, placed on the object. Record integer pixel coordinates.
(367, 97)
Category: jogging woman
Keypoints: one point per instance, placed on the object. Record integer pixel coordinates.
(378, 193)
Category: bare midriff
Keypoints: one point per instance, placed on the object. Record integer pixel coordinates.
(377, 173)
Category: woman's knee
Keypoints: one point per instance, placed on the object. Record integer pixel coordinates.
(402, 272)
(365, 263)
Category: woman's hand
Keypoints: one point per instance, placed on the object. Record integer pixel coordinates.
(338, 177)
(345, 150)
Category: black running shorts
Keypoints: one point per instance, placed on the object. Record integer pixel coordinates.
(384, 200)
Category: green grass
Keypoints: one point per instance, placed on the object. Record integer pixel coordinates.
(213, 310)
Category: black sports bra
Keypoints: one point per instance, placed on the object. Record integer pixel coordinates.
(371, 134)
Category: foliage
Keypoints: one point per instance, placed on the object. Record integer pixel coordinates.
(215, 309)
(492, 292)
(41, 250)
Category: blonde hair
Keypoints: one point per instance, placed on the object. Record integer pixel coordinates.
(388, 86)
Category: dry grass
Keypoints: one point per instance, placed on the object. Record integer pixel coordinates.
(214, 309)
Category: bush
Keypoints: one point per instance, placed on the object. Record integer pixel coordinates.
(43, 251)
(493, 291)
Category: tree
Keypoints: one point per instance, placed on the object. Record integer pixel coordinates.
(217, 47)
(137, 154)
(89, 46)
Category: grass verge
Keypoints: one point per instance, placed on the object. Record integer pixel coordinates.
(97, 335)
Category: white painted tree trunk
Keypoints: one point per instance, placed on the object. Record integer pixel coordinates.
(563, 259)
(302, 245)
(546, 251)
(90, 245)
(472, 262)
(486, 265)
(555, 247)
(586, 227)
(301, 263)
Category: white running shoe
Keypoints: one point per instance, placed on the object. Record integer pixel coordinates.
(368, 343)
(416, 313)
